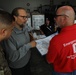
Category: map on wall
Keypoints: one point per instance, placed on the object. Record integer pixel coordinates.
(37, 20)
(28, 23)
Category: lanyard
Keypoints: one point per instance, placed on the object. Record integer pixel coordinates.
(48, 28)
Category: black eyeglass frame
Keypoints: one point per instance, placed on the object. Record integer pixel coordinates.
(24, 17)
(60, 15)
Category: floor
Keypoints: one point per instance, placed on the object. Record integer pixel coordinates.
(39, 66)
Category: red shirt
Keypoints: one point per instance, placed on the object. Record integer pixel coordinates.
(62, 50)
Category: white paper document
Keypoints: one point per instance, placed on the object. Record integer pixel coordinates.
(42, 44)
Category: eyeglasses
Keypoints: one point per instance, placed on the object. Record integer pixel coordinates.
(60, 15)
(24, 17)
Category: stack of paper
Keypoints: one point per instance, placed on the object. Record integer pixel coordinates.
(42, 44)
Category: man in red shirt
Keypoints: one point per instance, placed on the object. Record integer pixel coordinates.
(62, 48)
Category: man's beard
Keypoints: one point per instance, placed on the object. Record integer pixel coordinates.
(21, 26)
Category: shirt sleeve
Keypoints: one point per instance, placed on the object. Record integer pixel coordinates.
(52, 52)
(13, 52)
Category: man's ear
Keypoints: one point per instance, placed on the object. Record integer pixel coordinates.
(15, 17)
(63, 20)
(3, 32)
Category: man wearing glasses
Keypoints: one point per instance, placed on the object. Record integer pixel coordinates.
(17, 47)
(62, 48)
